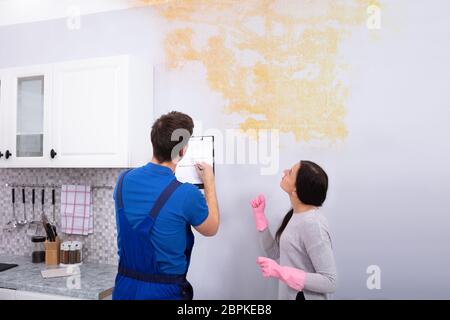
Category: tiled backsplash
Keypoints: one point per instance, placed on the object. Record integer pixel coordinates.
(100, 247)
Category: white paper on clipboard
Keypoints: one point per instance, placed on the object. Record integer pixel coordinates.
(200, 149)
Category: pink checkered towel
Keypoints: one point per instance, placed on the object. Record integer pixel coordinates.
(77, 216)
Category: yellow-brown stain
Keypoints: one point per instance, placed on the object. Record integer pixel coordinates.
(292, 82)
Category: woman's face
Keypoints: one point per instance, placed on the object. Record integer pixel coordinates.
(289, 177)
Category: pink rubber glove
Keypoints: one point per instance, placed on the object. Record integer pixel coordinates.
(258, 205)
(294, 278)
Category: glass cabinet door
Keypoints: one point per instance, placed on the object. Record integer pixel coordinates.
(2, 120)
(4, 152)
(30, 117)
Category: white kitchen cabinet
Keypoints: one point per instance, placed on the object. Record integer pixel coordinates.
(28, 114)
(3, 114)
(11, 294)
(7, 294)
(85, 113)
(94, 112)
(27, 295)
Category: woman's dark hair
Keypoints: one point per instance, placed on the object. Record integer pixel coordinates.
(162, 130)
(311, 187)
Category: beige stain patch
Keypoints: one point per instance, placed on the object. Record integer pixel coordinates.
(275, 62)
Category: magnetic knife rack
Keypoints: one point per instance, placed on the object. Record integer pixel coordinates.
(49, 186)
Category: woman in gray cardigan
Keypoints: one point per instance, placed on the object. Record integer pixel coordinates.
(302, 244)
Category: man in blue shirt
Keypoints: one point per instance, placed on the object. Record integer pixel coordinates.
(154, 215)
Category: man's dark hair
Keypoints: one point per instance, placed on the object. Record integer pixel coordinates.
(162, 131)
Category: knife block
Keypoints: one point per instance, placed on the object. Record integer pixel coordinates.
(52, 251)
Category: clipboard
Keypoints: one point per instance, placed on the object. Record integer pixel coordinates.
(200, 148)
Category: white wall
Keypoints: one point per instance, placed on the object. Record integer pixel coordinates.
(388, 200)
(24, 11)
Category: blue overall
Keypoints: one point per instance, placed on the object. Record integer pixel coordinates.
(138, 276)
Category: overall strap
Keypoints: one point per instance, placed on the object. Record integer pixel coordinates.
(163, 197)
(119, 190)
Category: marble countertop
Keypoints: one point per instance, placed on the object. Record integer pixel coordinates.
(96, 281)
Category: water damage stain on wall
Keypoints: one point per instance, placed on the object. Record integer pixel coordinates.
(275, 62)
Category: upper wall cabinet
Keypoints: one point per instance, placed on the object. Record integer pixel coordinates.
(27, 116)
(2, 115)
(88, 113)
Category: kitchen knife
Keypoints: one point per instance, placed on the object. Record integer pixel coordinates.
(53, 204)
(54, 231)
(48, 228)
(51, 233)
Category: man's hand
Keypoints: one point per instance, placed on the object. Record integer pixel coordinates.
(205, 172)
(211, 224)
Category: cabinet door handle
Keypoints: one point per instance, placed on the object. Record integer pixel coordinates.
(53, 154)
(1, 154)
(8, 154)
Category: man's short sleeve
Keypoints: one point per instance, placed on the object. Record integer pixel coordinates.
(195, 207)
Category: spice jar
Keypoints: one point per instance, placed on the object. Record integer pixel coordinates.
(38, 254)
(72, 253)
(78, 249)
(65, 253)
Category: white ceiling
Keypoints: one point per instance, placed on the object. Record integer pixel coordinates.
(23, 11)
